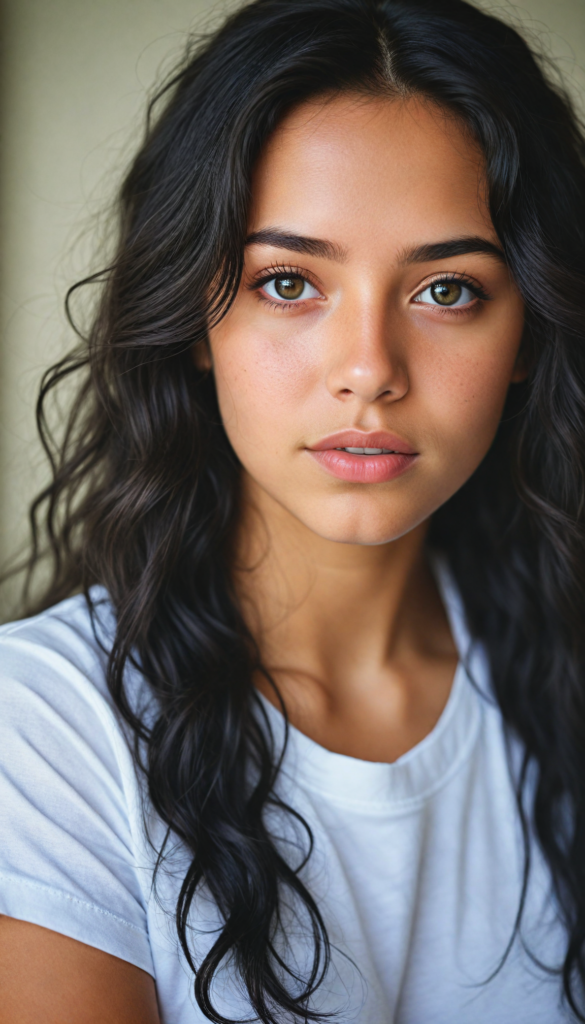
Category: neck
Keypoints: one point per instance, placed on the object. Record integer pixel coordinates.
(332, 616)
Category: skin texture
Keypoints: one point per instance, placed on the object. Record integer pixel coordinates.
(46, 978)
(332, 575)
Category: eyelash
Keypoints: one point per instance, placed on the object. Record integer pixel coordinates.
(271, 273)
(475, 288)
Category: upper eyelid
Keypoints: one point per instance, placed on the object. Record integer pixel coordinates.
(453, 275)
(269, 273)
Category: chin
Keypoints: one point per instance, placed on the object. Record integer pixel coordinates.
(363, 530)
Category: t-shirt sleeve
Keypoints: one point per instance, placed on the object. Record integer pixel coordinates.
(69, 852)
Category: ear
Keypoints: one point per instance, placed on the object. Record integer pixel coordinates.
(202, 355)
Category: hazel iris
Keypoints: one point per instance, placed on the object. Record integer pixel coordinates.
(289, 287)
(447, 293)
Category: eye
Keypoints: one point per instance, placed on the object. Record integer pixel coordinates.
(446, 293)
(289, 288)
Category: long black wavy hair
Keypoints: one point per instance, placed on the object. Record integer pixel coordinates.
(144, 496)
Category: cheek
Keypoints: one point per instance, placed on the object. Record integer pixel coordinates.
(466, 396)
(263, 384)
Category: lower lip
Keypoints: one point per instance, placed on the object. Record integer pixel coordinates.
(362, 469)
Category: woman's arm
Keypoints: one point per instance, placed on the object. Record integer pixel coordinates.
(47, 978)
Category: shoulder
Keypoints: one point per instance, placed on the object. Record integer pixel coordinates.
(70, 637)
(53, 665)
(70, 798)
(56, 711)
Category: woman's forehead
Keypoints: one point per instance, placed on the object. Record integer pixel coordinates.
(362, 169)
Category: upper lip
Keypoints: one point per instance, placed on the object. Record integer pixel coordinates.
(359, 439)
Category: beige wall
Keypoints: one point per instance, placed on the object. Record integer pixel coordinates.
(75, 77)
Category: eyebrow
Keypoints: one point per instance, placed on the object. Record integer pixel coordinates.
(464, 246)
(425, 253)
(279, 239)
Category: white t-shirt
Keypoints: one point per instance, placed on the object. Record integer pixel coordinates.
(417, 864)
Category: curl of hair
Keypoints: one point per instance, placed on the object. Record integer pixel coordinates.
(144, 495)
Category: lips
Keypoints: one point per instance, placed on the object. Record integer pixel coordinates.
(359, 439)
(393, 456)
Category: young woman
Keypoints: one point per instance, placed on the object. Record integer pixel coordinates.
(300, 732)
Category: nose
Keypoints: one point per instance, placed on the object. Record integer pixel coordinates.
(366, 358)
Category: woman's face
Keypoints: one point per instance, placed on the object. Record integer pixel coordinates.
(375, 312)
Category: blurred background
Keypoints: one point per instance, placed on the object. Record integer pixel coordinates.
(76, 76)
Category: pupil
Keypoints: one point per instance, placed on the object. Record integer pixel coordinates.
(289, 287)
(446, 292)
